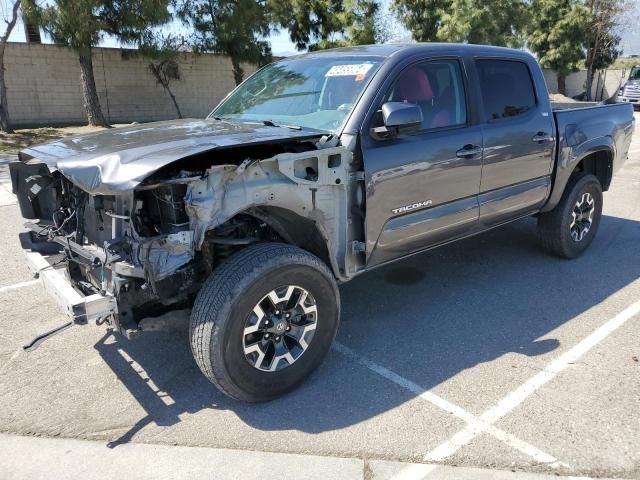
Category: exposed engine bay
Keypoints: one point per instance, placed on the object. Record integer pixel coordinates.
(152, 247)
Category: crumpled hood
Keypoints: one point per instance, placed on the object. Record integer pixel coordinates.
(117, 160)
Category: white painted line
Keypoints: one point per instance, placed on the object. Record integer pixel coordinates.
(6, 197)
(15, 286)
(164, 396)
(415, 471)
(520, 394)
(11, 359)
(473, 422)
(516, 397)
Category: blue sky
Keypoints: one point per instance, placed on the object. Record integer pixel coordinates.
(281, 45)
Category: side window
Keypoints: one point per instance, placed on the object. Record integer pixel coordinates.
(437, 87)
(507, 88)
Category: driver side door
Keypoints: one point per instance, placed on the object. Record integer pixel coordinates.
(422, 187)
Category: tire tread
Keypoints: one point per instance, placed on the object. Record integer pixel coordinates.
(223, 287)
(550, 224)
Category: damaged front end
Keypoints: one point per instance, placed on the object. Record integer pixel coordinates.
(134, 249)
(140, 252)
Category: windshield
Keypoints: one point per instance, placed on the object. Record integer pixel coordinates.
(635, 73)
(315, 93)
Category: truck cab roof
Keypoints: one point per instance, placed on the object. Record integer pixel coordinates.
(407, 49)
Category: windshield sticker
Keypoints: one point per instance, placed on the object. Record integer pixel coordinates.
(353, 70)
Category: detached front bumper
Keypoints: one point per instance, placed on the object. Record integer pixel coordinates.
(78, 307)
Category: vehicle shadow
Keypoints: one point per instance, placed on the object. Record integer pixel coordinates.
(427, 318)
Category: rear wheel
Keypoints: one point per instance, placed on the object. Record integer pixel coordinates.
(568, 229)
(264, 321)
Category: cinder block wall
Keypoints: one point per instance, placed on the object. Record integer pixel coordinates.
(43, 85)
(575, 83)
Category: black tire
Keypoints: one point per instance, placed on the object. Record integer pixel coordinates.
(227, 299)
(554, 226)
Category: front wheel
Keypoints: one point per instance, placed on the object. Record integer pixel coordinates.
(264, 321)
(568, 229)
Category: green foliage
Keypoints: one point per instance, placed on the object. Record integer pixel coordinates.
(487, 22)
(555, 33)
(162, 53)
(364, 27)
(422, 18)
(608, 52)
(236, 28)
(156, 45)
(601, 40)
(491, 22)
(320, 24)
(311, 23)
(626, 63)
(81, 24)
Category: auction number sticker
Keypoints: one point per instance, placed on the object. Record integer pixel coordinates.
(350, 70)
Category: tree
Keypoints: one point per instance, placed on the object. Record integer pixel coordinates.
(555, 33)
(487, 22)
(601, 41)
(235, 28)
(422, 18)
(364, 23)
(162, 52)
(80, 25)
(11, 19)
(312, 24)
(320, 24)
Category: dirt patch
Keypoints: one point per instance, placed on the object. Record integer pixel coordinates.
(559, 98)
(14, 142)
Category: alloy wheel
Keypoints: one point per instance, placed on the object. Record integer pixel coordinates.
(582, 217)
(280, 328)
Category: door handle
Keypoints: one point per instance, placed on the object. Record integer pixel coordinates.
(541, 137)
(469, 151)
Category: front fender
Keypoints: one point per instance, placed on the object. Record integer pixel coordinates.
(313, 185)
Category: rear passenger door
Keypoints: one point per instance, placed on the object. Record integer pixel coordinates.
(518, 141)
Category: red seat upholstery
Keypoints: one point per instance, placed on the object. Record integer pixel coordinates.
(414, 86)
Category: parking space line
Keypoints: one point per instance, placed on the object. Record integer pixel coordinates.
(162, 395)
(15, 286)
(473, 422)
(415, 471)
(520, 394)
(517, 396)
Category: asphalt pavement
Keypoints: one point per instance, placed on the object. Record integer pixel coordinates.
(486, 353)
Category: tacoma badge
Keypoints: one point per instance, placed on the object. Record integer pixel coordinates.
(413, 206)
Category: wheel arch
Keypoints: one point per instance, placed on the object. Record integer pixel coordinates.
(599, 163)
(595, 156)
(297, 230)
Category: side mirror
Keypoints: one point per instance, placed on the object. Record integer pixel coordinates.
(398, 118)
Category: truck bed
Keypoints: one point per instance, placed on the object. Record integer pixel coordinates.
(602, 129)
(556, 106)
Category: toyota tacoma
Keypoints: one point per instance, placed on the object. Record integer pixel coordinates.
(314, 170)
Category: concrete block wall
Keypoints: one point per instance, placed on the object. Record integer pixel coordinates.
(575, 82)
(43, 85)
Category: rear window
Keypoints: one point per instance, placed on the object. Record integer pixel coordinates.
(507, 89)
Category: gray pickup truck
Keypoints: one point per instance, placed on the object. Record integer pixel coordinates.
(316, 169)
